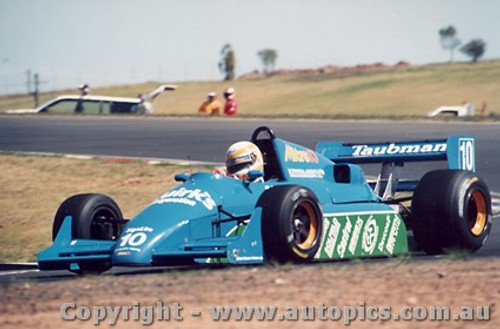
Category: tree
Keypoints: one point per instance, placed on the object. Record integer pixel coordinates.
(474, 49)
(449, 40)
(268, 58)
(227, 62)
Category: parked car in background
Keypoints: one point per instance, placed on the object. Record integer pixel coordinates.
(464, 110)
(93, 104)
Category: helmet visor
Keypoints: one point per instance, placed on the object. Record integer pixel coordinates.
(237, 167)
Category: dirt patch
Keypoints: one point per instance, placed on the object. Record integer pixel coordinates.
(383, 284)
(361, 68)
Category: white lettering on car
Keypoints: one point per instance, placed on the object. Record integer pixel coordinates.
(187, 197)
(326, 229)
(346, 231)
(384, 234)
(391, 240)
(355, 235)
(333, 234)
(392, 149)
(306, 173)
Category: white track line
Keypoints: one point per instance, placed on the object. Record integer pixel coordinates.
(18, 272)
(151, 161)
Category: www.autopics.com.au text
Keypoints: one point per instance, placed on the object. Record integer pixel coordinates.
(147, 314)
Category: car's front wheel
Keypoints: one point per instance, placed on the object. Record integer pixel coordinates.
(94, 216)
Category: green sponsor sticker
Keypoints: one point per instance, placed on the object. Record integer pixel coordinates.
(354, 235)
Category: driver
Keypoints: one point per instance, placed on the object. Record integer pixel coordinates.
(241, 157)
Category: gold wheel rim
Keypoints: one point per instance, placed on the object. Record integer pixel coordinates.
(313, 226)
(480, 221)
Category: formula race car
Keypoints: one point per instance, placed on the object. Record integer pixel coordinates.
(304, 206)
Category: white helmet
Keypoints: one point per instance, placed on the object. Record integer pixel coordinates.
(242, 157)
(229, 92)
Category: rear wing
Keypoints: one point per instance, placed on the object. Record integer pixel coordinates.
(457, 151)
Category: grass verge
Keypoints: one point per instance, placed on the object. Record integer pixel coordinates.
(32, 188)
(389, 92)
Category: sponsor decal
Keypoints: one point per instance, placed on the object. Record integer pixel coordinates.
(306, 173)
(345, 238)
(355, 235)
(370, 235)
(391, 240)
(249, 258)
(293, 154)
(139, 229)
(393, 149)
(384, 234)
(362, 234)
(333, 234)
(326, 229)
(187, 197)
(132, 240)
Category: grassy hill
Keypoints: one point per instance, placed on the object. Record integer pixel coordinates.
(386, 92)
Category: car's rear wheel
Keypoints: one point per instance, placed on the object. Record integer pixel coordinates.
(94, 216)
(451, 210)
(291, 223)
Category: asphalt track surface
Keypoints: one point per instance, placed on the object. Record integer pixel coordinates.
(206, 139)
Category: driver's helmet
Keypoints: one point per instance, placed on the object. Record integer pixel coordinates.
(242, 157)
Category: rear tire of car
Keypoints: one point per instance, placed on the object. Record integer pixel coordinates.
(291, 223)
(451, 211)
(94, 216)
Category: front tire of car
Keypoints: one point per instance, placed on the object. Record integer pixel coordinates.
(94, 216)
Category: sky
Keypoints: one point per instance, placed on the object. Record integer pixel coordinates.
(109, 42)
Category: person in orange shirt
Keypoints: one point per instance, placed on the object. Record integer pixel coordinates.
(211, 106)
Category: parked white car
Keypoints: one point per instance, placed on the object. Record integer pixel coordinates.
(93, 104)
(465, 110)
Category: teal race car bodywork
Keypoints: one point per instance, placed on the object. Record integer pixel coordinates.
(306, 205)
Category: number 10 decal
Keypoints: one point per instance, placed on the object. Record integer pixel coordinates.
(467, 157)
(133, 239)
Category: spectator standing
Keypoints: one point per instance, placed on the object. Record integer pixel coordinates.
(84, 89)
(231, 107)
(211, 106)
(144, 107)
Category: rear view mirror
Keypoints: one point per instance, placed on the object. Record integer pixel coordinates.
(254, 174)
(182, 177)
